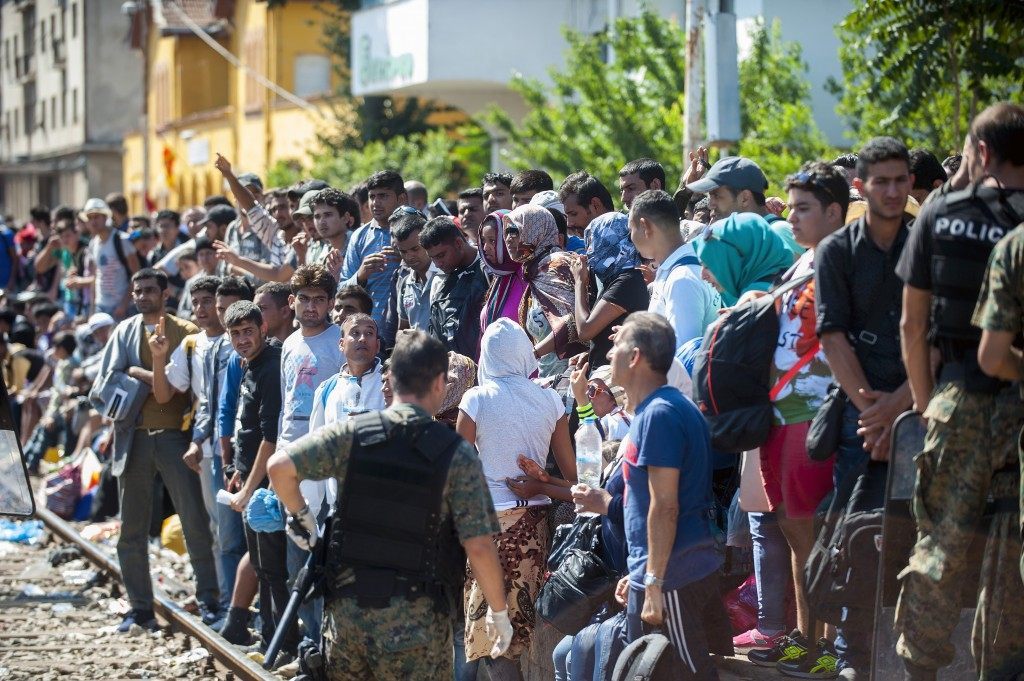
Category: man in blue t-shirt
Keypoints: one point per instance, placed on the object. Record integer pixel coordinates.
(673, 563)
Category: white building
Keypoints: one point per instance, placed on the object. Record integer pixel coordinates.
(464, 52)
(69, 89)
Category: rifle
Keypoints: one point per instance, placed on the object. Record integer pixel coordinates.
(306, 584)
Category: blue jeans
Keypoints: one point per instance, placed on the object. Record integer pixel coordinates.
(853, 637)
(772, 570)
(230, 535)
(560, 656)
(464, 671)
(592, 652)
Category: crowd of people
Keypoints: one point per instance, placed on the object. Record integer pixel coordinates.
(273, 337)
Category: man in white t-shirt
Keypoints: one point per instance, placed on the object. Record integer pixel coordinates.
(113, 262)
(183, 372)
(678, 293)
(309, 356)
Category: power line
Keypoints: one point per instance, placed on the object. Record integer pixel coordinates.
(234, 61)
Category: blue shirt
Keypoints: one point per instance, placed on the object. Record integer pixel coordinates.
(229, 395)
(574, 244)
(367, 240)
(669, 432)
(613, 535)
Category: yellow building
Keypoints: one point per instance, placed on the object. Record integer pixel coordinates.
(200, 104)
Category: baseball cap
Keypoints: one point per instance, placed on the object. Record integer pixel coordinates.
(95, 206)
(735, 172)
(251, 180)
(306, 203)
(221, 215)
(99, 320)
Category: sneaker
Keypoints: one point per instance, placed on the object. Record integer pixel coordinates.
(791, 647)
(140, 618)
(211, 615)
(820, 664)
(755, 639)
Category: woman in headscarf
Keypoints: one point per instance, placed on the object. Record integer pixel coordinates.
(547, 310)
(461, 377)
(741, 253)
(506, 392)
(508, 286)
(613, 259)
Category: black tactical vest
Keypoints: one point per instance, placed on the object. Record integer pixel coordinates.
(390, 531)
(966, 226)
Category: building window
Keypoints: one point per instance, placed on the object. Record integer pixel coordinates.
(42, 114)
(28, 98)
(312, 75)
(254, 54)
(74, 20)
(64, 108)
(42, 36)
(74, 105)
(53, 112)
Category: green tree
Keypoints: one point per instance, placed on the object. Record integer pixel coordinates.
(778, 128)
(921, 70)
(597, 115)
(445, 161)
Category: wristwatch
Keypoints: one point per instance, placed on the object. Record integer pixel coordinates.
(651, 580)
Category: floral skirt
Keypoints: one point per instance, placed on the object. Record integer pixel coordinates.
(523, 551)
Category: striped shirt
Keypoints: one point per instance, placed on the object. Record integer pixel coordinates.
(365, 241)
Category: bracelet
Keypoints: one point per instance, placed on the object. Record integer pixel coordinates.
(585, 411)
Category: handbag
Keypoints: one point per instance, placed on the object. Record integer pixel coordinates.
(63, 489)
(579, 582)
(826, 429)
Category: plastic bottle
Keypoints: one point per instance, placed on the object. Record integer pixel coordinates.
(588, 454)
(350, 398)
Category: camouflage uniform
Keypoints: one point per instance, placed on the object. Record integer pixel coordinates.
(408, 640)
(969, 438)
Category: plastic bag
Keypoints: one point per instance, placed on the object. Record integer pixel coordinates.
(741, 604)
(20, 531)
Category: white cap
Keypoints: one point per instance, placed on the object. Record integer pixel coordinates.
(548, 199)
(99, 320)
(94, 206)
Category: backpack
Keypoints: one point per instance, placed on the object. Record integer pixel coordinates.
(732, 370)
(649, 658)
(842, 570)
(119, 251)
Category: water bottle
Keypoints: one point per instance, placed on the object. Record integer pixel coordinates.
(350, 396)
(588, 455)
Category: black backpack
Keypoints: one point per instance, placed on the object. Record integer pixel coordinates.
(649, 658)
(732, 370)
(842, 570)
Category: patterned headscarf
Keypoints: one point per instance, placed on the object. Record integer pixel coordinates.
(610, 251)
(503, 263)
(547, 272)
(461, 377)
(507, 284)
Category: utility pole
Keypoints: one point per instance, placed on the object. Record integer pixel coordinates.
(693, 101)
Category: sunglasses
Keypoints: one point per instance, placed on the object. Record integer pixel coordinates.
(405, 210)
(805, 178)
(594, 390)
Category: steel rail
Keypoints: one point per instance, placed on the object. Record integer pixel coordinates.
(225, 653)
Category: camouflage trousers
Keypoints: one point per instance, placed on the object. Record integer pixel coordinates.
(970, 451)
(406, 641)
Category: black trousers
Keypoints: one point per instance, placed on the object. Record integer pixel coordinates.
(268, 553)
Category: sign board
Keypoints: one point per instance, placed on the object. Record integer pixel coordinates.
(198, 151)
(389, 47)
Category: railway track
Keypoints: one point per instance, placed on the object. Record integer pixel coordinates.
(57, 622)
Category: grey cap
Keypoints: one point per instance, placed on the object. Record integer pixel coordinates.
(735, 172)
(306, 203)
(221, 215)
(251, 180)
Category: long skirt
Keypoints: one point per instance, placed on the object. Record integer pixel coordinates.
(523, 545)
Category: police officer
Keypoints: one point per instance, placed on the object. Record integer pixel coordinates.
(970, 447)
(412, 506)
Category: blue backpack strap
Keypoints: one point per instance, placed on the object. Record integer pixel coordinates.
(687, 260)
